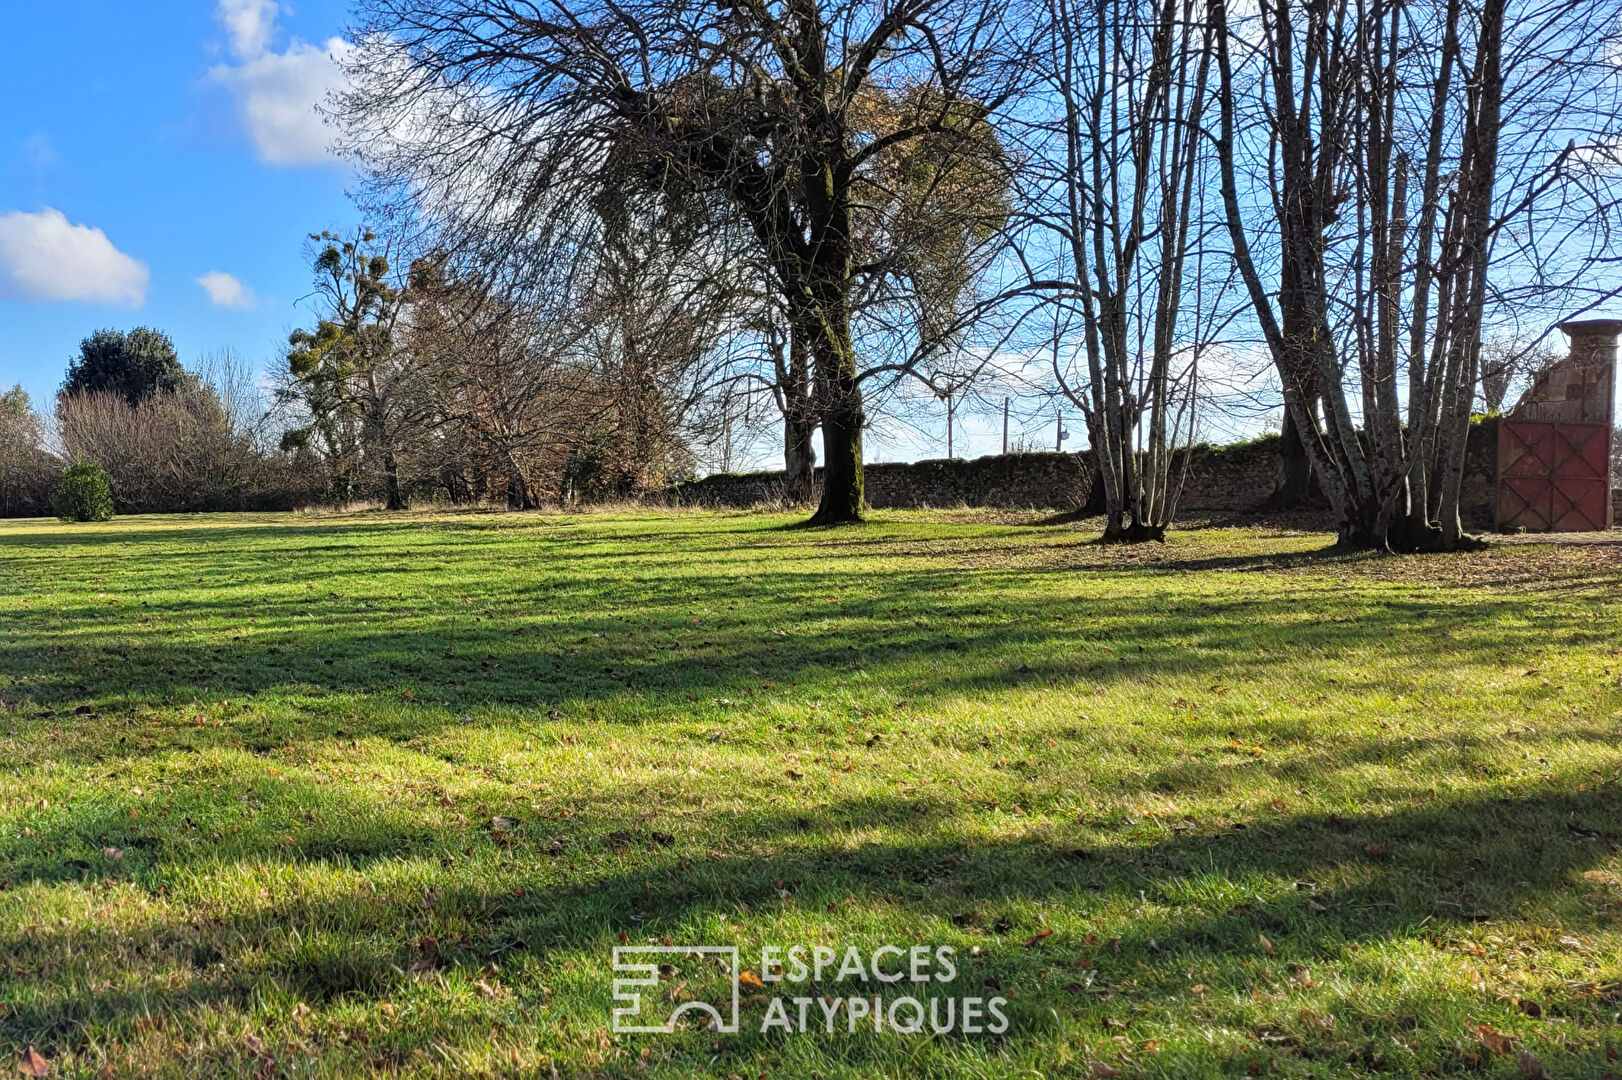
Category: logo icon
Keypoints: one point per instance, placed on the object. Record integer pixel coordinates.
(643, 964)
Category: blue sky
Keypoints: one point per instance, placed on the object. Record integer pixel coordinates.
(160, 164)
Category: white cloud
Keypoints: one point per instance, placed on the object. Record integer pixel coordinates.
(277, 92)
(45, 257)
(251, 24)
(226, 291)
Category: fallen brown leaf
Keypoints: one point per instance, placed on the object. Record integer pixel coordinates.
(32, 1064)
(1494, 1040)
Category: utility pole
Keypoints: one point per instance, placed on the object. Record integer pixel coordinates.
(1005, 425)
(949, 453)
(1058, 431)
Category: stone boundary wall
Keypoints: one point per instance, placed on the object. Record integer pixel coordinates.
(1007, 481)
(1238, 478)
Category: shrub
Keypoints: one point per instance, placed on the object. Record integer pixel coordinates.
(84, 493)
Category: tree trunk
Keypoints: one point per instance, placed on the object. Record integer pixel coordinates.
(799, 458)
(799, 423)
(825, 311)
(1295, 470)
(343, 486)
(391, 482)
(1481, 157)
(519, 495)
(842, 420)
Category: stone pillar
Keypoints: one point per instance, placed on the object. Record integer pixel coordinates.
(1595, 347)
(1594, 352)
(1591, 384)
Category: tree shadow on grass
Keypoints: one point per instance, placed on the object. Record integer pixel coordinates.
(377, 664)
(1317, 889)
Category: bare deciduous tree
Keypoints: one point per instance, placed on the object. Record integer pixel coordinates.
(661, 298)
(509, 393)
(27, 471)
(506, 113)
(1113, 202)
(1383, 161)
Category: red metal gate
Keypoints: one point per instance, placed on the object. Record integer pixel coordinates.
(1554, 477)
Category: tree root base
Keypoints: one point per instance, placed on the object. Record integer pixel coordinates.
(1405, 538)
(1134, 534)
(825, 518)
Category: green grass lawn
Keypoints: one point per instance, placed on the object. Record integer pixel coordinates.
(339, 796)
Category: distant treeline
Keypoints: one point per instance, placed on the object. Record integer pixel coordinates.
(170, 440)
(436, 411)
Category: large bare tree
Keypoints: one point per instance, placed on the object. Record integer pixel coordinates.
(503, 368)
(502, 118)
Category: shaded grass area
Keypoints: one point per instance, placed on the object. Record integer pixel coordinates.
(380, 794)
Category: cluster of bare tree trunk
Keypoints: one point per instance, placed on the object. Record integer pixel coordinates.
(1397, 187)
(1116, 196)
